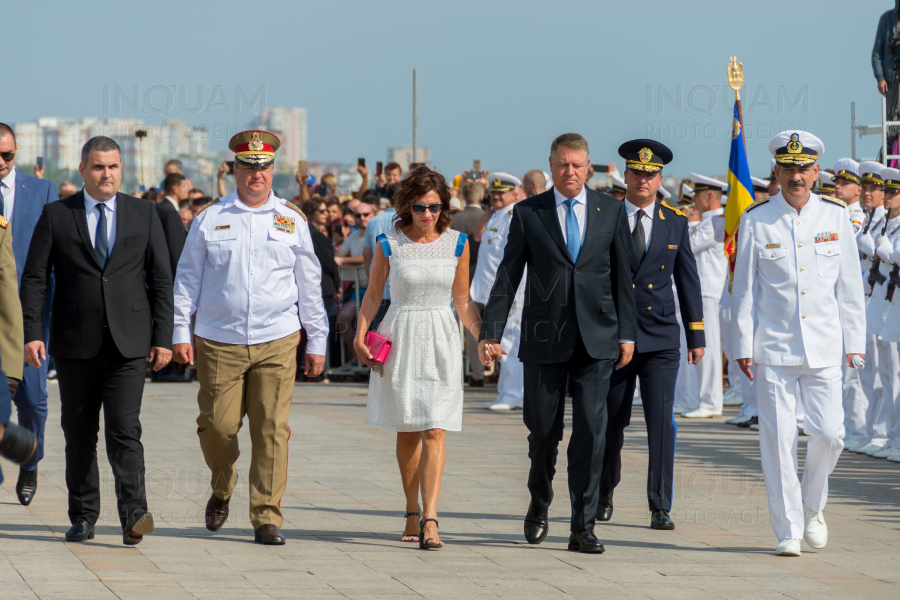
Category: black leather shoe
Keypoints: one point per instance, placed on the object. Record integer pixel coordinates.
(268, 535)
(26, 486)
(216, 513)
(605, 505)
(536, 525)
(81, 531)
(585, 541)
(659, 519)
(476, 383)
(747, 424)
(136, 528)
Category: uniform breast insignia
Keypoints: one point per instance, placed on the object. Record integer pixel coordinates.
(673, 247)
(673, 209)
(221, 227)
(759, 202)
(283, 223)
(494, 229)
(769, 246)
(294, 207)
(207, 205)
(662, 217)
(829, 236)
(834, 200)
(510, 212)
(3, 222)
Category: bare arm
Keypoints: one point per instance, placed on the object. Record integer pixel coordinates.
(348, 260)
(364, 173)
(462, 301)
(378, 275)
(367, 259)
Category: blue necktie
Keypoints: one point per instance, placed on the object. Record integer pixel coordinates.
(573, 232)
(101, 241)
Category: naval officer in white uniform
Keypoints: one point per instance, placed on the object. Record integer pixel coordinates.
(797, 287)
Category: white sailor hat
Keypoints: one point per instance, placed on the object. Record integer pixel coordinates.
(870, 172)
(503, 182)
(826, 182)
(771, 176)
(759, 184)
(687, 194)
(665, 193)
(796, 147)
(891, 179)
(848, 169)
(702, 182)
(618, 184)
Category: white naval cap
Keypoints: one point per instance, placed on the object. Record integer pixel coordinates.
(503, 182)
(665, 193)
(825, 182)
(870, 172)
(617, 182)
(772, 170)
(687, 194)
(891, 179)
(759, 184)
(848, 169)
(796, 147)
(702, 182)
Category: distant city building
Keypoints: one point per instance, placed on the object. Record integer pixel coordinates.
(403, 156)
(289, 124)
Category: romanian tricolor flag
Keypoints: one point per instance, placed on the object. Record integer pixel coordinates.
(740, 186)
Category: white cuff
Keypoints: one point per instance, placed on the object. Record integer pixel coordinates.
(181, 335)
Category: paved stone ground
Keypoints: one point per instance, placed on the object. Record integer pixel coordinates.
(344, 508)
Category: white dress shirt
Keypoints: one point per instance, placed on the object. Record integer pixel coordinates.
(647, 221)
(250, 275)
(797, 290)
(8, 191)
(93, 217)
(580, 208)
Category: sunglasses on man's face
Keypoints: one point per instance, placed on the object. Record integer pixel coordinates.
(432, 208)
(362, 215)
(7, 156)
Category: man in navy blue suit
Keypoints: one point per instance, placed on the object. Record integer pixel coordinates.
(23, 199)
(660, 254)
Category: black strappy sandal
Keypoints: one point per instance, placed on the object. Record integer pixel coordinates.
(410, 535)
(430, 543)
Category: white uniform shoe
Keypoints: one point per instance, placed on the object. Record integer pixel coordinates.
(871, 448)
(894, 458)
(739, 419)
(732, 399)
(788, 547)
(861, 449)
(498, 405)
(816, 532)
(886, 452)
(852, 445)
(701, 413)
(755, 427)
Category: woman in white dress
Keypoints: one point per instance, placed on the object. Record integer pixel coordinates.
(418, 391)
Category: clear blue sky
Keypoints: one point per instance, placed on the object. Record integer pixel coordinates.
(497, 80)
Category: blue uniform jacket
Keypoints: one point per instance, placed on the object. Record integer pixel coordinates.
(668, 257)
(32, 194)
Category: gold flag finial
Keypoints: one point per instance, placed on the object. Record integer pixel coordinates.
(735, 75)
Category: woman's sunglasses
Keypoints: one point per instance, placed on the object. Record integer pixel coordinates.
(432, 208)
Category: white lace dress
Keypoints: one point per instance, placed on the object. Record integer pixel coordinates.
(419, 387)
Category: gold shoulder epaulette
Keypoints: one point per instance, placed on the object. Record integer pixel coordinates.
(3, 222)
(293, 206)
(834, 200)
(207, 205)
(759, 202)
(673, 209)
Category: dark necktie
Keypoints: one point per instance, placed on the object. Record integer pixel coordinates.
(101, 241)
(640, 243)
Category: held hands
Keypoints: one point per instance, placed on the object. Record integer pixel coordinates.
(160, 357)
(626, 351)
(489, 351)
(35, 353)
(694, 355)
(184, 353)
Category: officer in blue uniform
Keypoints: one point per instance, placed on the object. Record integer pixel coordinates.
(659, 253)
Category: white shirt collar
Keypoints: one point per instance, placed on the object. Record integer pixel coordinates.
(267, 205)
(10, 180)
(581, 198)
(630, 208)
(174, 202)
(712, 213)
(90, 203)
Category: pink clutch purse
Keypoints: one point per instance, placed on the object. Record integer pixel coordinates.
(379, 346)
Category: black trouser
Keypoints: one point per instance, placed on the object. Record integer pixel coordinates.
(545, 400)
(115, 383)
(657, 371)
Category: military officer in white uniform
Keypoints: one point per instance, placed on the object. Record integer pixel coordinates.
(847, 189)
(249, 273)
(494, 226)
(708, 245)
(797, 287)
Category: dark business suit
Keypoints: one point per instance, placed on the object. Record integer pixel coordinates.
(173, 230)
(103, 323)
(32, 194)
(668, 257)
(573, 315)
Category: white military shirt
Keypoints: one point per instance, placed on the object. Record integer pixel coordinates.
(797, 285)
(891, 330)
(866, 253)
(251, 276)
(490, 253)
(709, 251)
(857, 216)
(876, 243)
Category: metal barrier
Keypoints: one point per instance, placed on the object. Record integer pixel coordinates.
(342, 371)
(882, 129)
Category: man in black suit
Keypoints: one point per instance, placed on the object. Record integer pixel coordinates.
(112, 307)
(578, 318)
(659, 251)
(176, 191)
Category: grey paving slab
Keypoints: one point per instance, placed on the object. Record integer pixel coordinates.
(343, 517)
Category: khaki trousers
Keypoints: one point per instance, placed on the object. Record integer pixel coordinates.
(256, 381)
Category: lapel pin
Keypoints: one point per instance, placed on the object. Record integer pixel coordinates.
(598, 209)
(662, 217)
